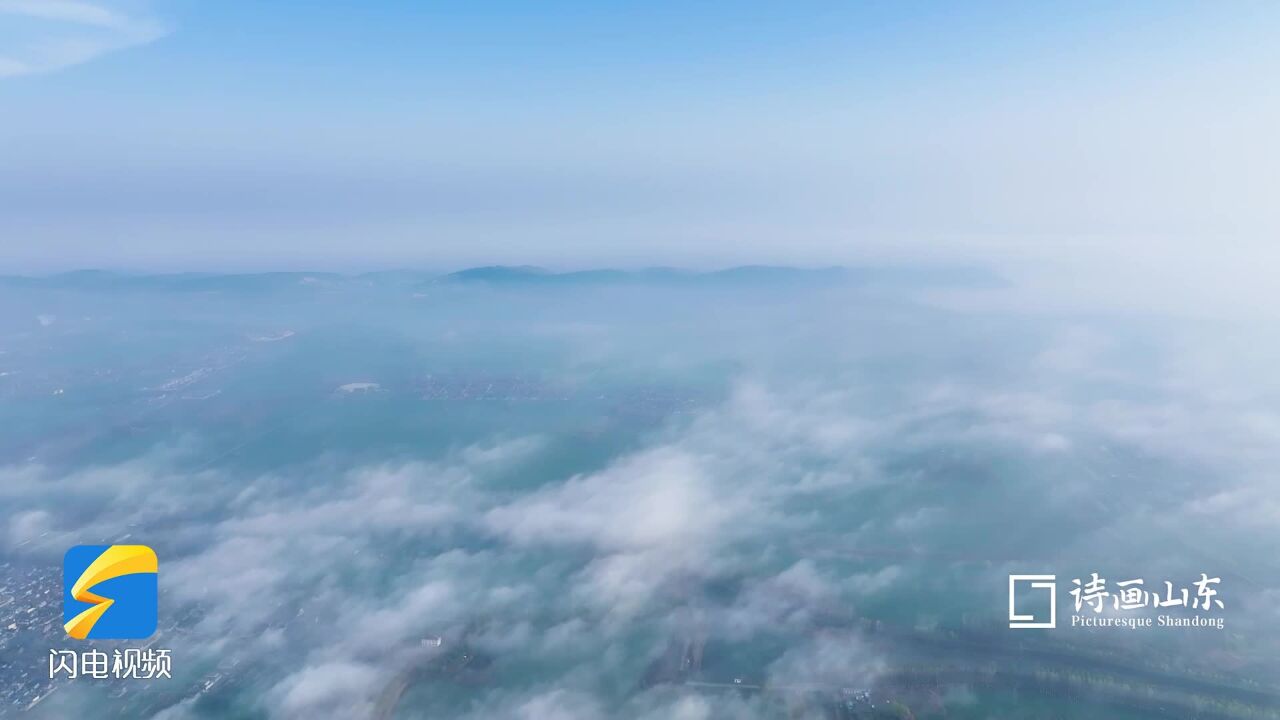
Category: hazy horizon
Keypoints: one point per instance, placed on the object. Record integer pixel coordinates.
(1113, 144)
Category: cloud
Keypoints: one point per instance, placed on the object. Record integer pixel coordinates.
(332, 690)
(562, 574)
(831, 658)
(788, 512)
(787, 601)
(649, 517)
(48, 35)
(27, 526)
(686, 508)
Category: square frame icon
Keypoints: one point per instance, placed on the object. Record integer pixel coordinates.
(1040, 582)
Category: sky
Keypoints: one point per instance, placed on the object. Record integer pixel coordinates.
(1135, 139)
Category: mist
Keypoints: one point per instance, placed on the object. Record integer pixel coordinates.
(621, 493)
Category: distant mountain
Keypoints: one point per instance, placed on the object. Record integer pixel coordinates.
(516, 276)
(742, 275)
(530, 274)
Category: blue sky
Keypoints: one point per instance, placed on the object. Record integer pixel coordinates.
(176, 134)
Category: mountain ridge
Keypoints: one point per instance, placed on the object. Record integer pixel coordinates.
(514, 275)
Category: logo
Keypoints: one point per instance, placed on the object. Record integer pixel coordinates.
(1126, 603)
(109, 592)
(1038, 582)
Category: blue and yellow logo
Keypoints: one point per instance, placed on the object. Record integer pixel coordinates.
(109, 592)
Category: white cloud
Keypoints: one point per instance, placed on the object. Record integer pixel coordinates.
(834, 658)
(681, 509)
(333, 690)
(27, 526)
(658, 498)
(346, 570)
(48, 35)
